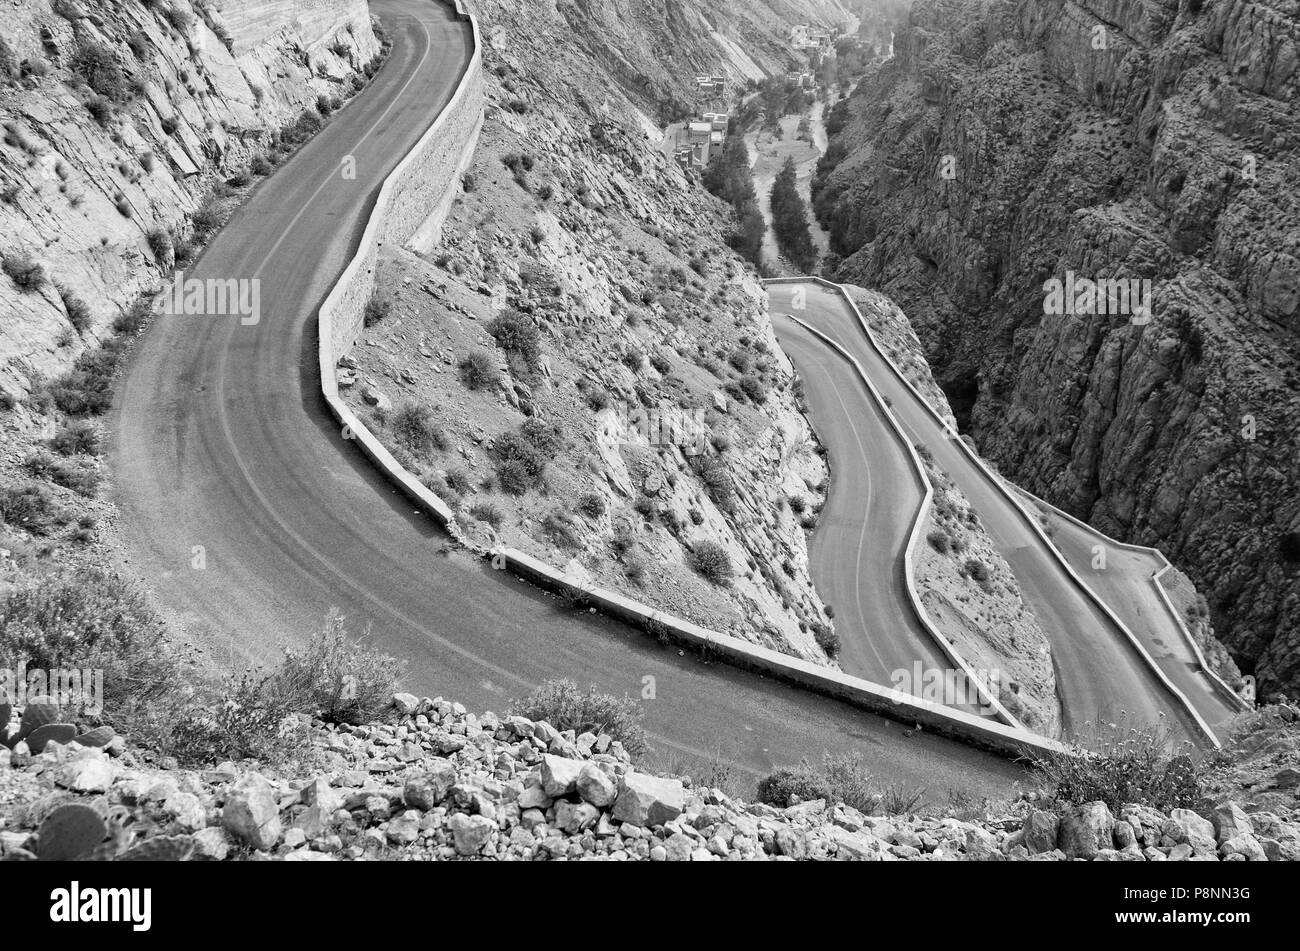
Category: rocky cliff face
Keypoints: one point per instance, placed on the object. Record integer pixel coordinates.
(653, 49)
(102, 147)
(1013, 142)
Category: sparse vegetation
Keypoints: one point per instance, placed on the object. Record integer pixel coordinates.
(561, 704)
(76, 437)
(489, 513)
(521, 456)
(97, 65)
(562, 529)
(335, 678)
(711, 561)
(826, 639)
(479, 371)
(31, 507)
(518, 336)
(377, 308)
(24, 271)
(839, 778)
(413, 427)
(592, 505)
(1127, 764)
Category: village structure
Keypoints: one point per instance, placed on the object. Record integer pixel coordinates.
(708, 127)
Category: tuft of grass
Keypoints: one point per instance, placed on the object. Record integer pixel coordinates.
(78, 475)
(826, 639)
(561, 704)
(97, 65)
(77, 310)
(592, 505)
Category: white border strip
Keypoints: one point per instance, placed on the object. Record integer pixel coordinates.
(1033, 523)
(979, 731)
(352, 278)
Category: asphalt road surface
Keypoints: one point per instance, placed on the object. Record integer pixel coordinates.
(1100, 675)
(857, 551)
(224, 456)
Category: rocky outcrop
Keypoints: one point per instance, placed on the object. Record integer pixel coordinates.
(188, 95)
(1011, 142)
(436, 782)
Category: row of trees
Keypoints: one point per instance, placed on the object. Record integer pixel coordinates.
(790, 220)
(728, 177)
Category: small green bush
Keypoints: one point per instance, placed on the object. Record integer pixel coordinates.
(710, 560)
(97, 65)
(592, 505)
(25, 272)
(841, 778)
(78, 436)
(77, 310)
(826, 639)
(377, 308)
(160, 243)
(487, 512)
(561, 529)
(783, 788)
(31, 507)
(518, 336)
(81, 477)
(561, 704)
(479, 371)
(458, 481)
(413, 427)
(88, 618)
(337, 679)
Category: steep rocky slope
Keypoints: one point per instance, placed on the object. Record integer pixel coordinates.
(668, 459)
(654, 49)
(118, 119)
(1011, 142)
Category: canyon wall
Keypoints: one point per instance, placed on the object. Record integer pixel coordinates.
(187, 96)
(1013, 142)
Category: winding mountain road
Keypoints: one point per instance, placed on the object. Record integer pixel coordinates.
(857, 551)
(1125, 580)
(1099, 673)
(247, 513)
